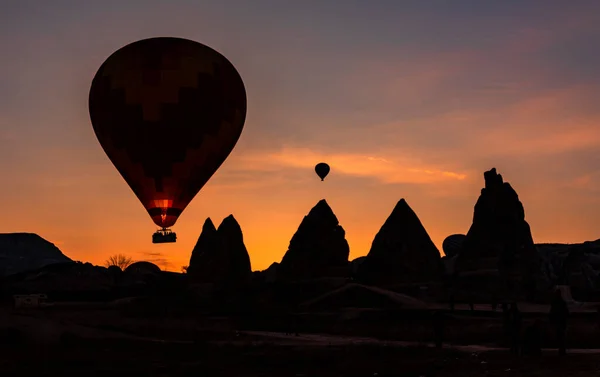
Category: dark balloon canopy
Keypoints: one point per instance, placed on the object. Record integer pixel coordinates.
(322, 169)
(167, 112)
(453, 244)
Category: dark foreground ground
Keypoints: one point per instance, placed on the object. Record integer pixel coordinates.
(119, 358)
(91, 342)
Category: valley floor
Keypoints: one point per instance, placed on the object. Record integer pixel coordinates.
(104, 343)
(153, 359)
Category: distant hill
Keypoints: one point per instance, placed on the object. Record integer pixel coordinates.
(587, 247)
(595, 243)
(27, 251)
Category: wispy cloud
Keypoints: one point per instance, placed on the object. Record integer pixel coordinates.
(543, 124)
(589, 182)
(394, 169)
(158, 259)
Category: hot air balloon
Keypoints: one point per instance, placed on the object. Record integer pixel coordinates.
(322, 169)
(167, 112)
(453, 244)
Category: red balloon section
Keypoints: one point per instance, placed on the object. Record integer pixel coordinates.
(167, 112)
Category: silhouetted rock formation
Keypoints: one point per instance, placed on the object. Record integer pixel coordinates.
(63, 281)
(270, 274)
(576, 265)
(317, 249)
(76, 281)
(220, 256)
(355, 265)
(499, 238)
(402, 251)
(238, 270)
(27, 251)
(204, 252)
(499, 228)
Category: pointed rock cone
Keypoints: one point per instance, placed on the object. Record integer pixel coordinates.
(204, 251)
(402, 251)
(220, 256)
(318, 248)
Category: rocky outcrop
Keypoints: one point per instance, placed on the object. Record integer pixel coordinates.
(271, 273)
(76, 281)
(237, 270)
(59, 279)
(204, 252)
(500, 239)
(27, 251)
(402, 251)
(355, 265)
(220, 256)
(576, 265)
(317, 249)
(499, 228)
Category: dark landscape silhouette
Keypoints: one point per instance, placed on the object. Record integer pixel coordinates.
(376, 116)
(402, 293)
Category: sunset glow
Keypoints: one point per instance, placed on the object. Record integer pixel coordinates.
(402, 101)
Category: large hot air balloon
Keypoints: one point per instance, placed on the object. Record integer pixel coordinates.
(167, 112)
(453, 244)
(322, 169)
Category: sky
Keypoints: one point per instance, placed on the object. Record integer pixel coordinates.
(404, 99)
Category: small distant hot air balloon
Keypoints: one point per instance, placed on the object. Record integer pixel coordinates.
(167, 112)
(322, 169)
(453, 244)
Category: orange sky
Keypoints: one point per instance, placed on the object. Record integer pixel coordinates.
(412, 102)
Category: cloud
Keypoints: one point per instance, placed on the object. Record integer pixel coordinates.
(546, 124)
(586, 183)
(158, 259)
(389, 169)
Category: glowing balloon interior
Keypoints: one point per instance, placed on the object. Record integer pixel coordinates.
(167, 112)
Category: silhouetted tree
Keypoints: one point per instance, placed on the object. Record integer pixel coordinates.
(119, 260)
(184, 269)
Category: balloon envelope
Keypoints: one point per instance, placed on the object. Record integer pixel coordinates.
(322, 169)
(453, 244)
(167, 112)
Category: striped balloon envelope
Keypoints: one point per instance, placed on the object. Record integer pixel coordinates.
(167, 112)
